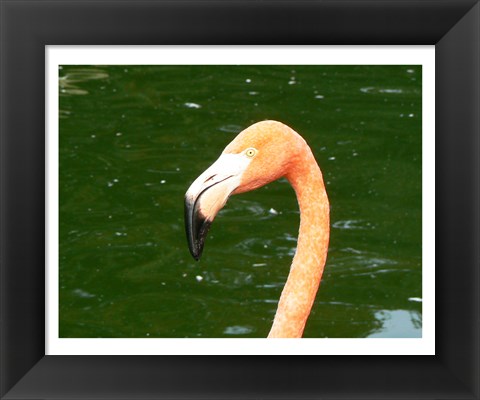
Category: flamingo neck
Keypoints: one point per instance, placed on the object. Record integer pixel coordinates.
(308, 263)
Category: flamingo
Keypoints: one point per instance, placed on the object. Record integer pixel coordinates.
(260, 154)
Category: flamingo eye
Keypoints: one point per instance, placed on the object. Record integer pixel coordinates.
(250, 152)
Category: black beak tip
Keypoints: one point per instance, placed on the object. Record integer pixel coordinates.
(195, 250)
(195, 247)
(197, 236)
(196, 226)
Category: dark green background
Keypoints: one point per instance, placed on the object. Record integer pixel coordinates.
(133, 138)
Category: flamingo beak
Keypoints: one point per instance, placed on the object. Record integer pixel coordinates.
(206, 197)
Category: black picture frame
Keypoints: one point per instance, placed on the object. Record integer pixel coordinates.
(453, 26)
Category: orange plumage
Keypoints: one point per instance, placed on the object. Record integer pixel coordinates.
(262, 153)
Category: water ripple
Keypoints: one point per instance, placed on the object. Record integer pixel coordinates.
(374, 90)
(352, 224)
(238, 330)
(244, 209)
(69, 83)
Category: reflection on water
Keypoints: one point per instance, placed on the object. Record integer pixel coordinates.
(69, 83)
(132, 139)
(352, 224)
(246, 209)
(399, 324)
(238, 330)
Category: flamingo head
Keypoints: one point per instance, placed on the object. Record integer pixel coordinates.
(262, 153)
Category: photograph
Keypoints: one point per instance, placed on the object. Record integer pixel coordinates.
(313, 174)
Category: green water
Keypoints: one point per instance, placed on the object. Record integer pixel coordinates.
(133, 138)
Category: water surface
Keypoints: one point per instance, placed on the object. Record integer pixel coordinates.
(133, 138)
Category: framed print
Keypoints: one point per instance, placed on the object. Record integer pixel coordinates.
(104, 129)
